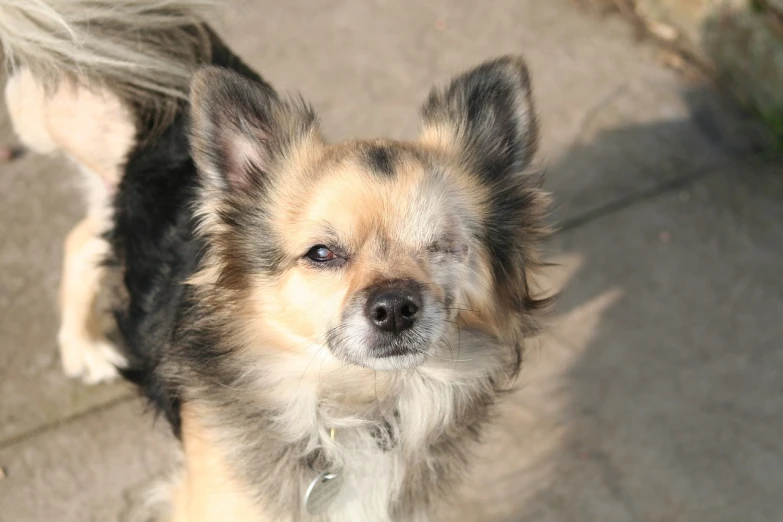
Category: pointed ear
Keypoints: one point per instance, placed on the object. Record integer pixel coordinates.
(486, 116)
(240, 128)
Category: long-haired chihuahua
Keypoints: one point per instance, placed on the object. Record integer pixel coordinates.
(325, 326)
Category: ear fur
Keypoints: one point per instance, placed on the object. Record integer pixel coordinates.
(240, 128)
(486, 115)
(486, 121)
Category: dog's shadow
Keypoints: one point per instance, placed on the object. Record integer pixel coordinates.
(653, 394)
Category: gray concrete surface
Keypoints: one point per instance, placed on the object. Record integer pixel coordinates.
(656, 394)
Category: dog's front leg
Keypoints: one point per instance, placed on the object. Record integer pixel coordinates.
(207, 489)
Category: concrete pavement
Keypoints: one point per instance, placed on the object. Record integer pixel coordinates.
(656, 393)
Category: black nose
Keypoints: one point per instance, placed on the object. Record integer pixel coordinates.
(393, 308)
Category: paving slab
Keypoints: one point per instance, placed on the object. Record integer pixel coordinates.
(97, 468)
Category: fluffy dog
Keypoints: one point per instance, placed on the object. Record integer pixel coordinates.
(325, 326)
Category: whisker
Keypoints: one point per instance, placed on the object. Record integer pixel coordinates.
(461, 309)
(483, 342)
(342, 367)
(459, 341)
(447, 360)
(308, 366)
(329, 333)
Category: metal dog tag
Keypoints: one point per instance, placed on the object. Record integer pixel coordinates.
(322, 491)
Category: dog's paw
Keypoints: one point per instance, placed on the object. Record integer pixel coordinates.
(93, 360)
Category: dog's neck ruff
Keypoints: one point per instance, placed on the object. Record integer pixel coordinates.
(328, 478)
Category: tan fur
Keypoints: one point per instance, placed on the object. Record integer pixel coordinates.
(206, 490)
(90, 125)
(399, 216)
(94, 130)
(26, 102)
(387, 222)
(93, 127)
(438, 137)
(84, 348)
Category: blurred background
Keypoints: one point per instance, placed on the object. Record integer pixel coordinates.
(656, 393)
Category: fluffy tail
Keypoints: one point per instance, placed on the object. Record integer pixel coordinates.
(144, 50)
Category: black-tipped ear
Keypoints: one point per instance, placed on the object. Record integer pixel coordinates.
(487, 115)
(239, 127)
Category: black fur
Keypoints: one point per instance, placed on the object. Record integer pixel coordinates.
(381, 159)
(153, 242)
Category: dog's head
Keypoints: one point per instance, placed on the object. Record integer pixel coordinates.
(378, 250)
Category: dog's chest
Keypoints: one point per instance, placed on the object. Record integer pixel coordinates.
(370, 481)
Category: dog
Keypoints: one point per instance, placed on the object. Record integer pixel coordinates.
(326, 327)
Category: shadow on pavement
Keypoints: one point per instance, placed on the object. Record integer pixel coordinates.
(658, 392)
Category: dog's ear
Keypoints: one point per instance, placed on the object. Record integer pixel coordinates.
(240, 128)
(485, 120)
(486, 116)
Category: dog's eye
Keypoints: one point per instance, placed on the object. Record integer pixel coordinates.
(320, 254)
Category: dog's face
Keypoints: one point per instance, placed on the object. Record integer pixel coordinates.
(380, 251)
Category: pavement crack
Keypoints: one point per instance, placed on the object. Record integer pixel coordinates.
(65, 421)
(652, 192)
(595, 111)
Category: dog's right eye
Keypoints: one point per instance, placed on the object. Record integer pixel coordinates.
(320, 254)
